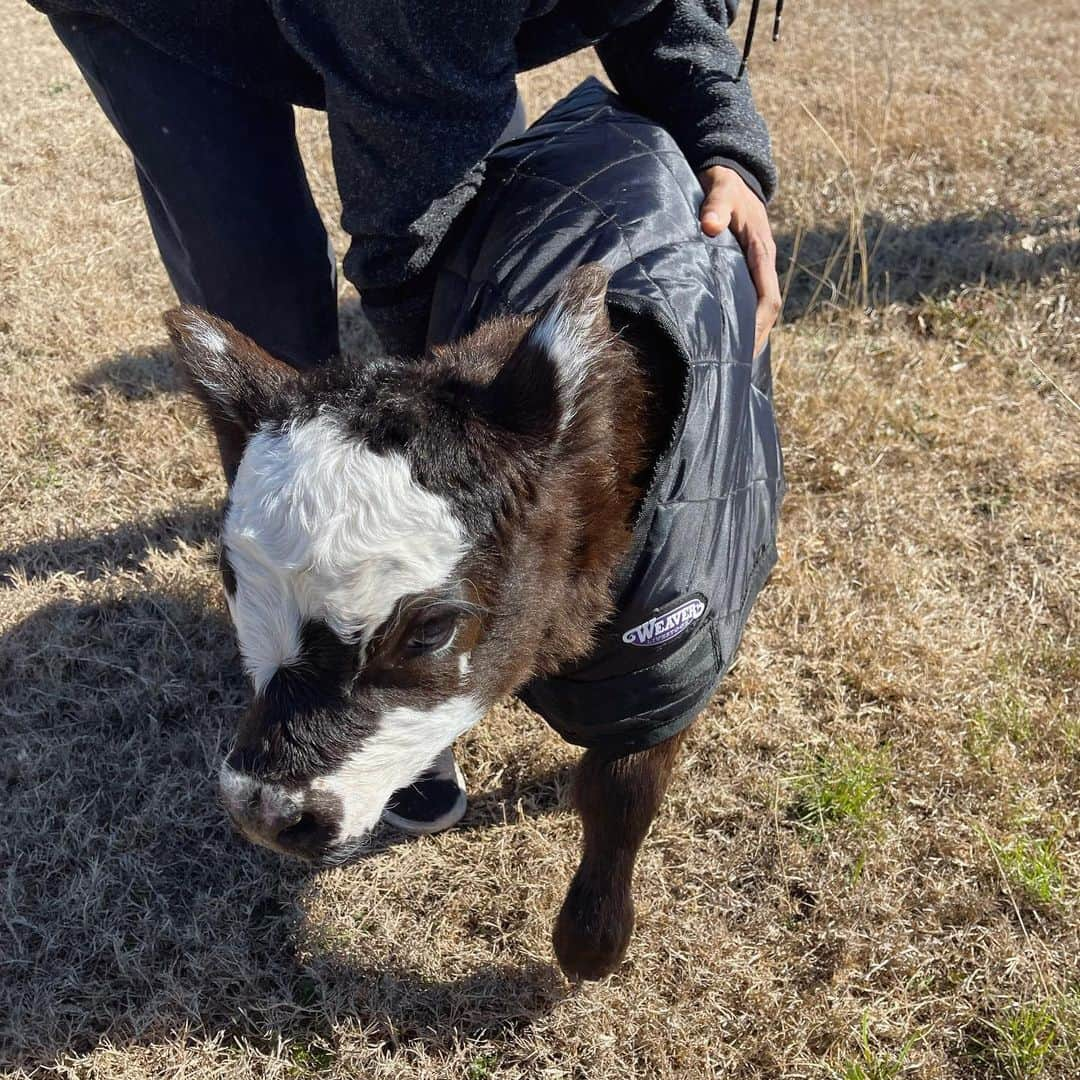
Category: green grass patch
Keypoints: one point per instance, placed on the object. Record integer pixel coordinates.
(1005, 721)
(48, 476)
(1032, 865)
(1023, 1042)
(1069, 729)
(871, 1064)
(310, 1059)
(1045, 713)
(481, 1067)
(842, 787)
(1057, 662)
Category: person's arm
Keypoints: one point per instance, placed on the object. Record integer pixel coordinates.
(413, 106)
(679, 66)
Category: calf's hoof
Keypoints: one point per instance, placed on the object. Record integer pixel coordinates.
(592, 932)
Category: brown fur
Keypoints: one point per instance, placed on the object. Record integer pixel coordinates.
(567, 448)
(569, 533)
(617, 799)
(579, 530)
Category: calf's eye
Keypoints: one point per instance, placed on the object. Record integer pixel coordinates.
(431, 634)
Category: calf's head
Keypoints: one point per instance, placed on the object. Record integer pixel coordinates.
(390, 551)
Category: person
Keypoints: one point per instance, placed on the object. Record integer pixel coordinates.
(416, 94)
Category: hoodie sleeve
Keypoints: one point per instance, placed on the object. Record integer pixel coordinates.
(678, 65)
(412, 109)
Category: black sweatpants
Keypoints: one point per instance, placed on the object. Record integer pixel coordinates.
(224, 188)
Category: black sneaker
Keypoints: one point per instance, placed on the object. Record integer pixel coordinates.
(436, 801)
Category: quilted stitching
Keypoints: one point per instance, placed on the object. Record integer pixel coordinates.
(577, 164)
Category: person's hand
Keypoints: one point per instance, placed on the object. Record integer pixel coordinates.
(729, 203)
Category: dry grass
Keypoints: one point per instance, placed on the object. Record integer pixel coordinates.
(910, 675)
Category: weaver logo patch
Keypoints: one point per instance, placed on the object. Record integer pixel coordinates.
(668, 625)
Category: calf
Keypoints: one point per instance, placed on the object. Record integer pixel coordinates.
(407, 542)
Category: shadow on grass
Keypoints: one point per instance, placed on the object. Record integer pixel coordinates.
(144, 373)
(135, 375)
(906, 264)
(124, 547)
(129, 911)
(909, 263)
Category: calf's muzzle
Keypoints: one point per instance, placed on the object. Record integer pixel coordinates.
(273, 816)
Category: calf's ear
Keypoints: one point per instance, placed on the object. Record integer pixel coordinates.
(539, 389)
(236, 380)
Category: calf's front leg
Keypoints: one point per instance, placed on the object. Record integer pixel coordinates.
(617, 798)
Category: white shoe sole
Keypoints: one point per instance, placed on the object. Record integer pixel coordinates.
(439, 824)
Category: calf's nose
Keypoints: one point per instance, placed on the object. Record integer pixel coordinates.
(269, 815)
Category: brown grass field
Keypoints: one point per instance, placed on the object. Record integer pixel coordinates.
(869, 864)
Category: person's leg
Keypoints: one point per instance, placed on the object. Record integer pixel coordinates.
(224, 188)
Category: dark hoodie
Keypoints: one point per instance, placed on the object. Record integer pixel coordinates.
(418, 92)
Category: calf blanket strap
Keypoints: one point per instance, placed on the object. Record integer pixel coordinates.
(591, 181)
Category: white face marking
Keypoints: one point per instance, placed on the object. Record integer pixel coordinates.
(321, 527)
(405, 743)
